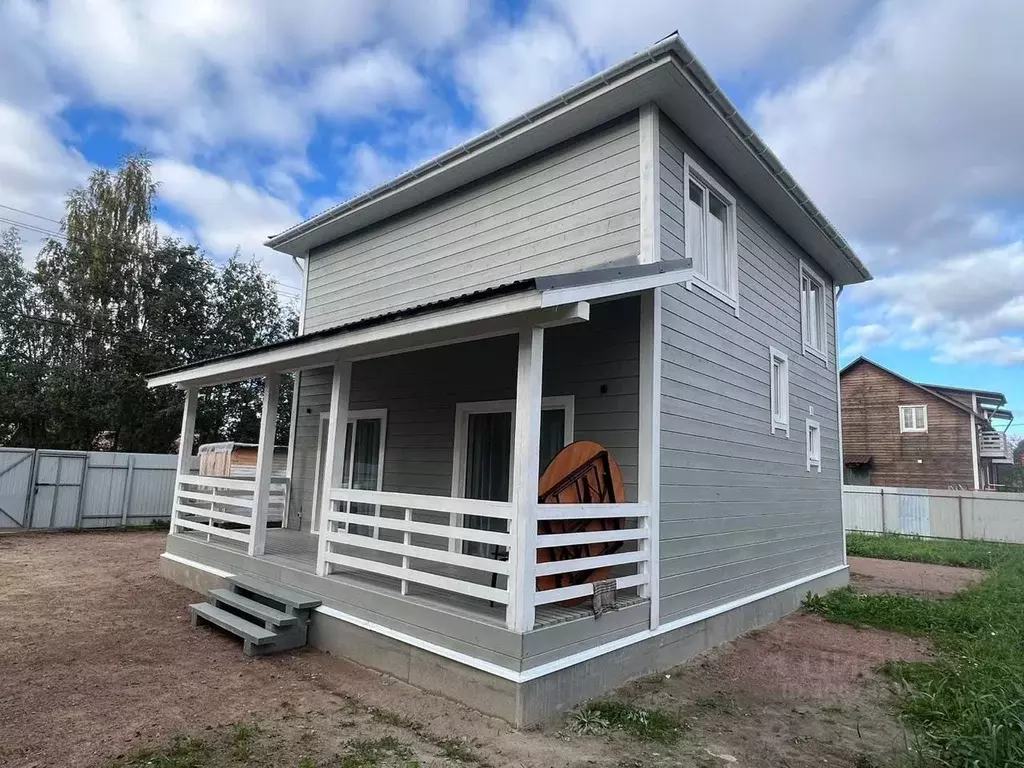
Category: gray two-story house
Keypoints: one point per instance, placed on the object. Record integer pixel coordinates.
(626, 264)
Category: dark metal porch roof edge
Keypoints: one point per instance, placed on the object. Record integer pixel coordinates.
(545, 283)
(506, 289)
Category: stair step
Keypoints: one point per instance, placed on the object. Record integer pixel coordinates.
(252, 633)
(253, 608)
(288, 597)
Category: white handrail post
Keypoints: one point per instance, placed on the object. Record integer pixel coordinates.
(185, 442)
(264, 465)
(522, 584)
(334, 456)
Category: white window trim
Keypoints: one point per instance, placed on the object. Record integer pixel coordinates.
(812, 460)
(731, 296)
(924, 428)
(783, 422)
(566, 403)
(353, 416)
(813, 274)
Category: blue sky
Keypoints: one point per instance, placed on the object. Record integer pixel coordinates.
(897, 116)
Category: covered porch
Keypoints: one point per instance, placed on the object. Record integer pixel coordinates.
(418, 444)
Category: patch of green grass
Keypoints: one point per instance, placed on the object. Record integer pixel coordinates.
(184, 752)
(965, 708)
(643, 724)
(371, 753)
(242, 735)
(964, 554)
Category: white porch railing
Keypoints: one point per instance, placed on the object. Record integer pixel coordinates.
(222, 507)
(409, 537)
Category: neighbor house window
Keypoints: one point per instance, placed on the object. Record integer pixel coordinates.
(913, 418)
(779, 390)
(812, 311)
(711, 233)
(813, 445)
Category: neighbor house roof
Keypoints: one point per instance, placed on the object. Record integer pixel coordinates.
(529, 295)
(668, 74)
(931, 389)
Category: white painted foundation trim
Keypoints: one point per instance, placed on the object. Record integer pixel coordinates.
(197, 565)
(545, 669)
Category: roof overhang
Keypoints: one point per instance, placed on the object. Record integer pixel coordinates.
(668, 74)
(533, 302)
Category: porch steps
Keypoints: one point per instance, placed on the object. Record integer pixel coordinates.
(268, 617)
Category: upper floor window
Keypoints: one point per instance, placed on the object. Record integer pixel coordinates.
(812, 311)
(913, 418)
(711, 233)
(779, 390)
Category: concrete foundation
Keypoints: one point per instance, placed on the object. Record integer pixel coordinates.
(527, 698)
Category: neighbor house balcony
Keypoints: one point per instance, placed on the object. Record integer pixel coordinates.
(995, 446)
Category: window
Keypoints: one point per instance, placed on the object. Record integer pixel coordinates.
(483, 455)
(779, 390)
(813, 445)
(812, 311)
(710, 233)
(362, 463)
(913, 418)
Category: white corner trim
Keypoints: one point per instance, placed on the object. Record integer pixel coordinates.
(197, 565)
(649, 485)
(650, 183)
(839, 412)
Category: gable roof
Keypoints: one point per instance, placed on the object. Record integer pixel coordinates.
(923, 387)
(668, 74)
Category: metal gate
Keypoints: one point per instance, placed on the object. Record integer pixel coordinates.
(57, 492)
(16, 469)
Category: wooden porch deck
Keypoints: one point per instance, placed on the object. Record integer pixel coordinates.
(298, 550)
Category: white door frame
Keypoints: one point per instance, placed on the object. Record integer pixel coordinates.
(566, 403)
(353, 416)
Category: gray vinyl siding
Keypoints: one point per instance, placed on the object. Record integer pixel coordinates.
(574, 207)
(420, 390)
(740, 513)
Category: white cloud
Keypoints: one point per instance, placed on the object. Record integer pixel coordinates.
(224, 214)
(519, 68)
(860, 338)
(901, 138)
(727, 36)
(968, 307)
(365, 82)
(36, 171)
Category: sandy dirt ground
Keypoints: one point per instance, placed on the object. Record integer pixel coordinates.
(97, 659)
(893, 577)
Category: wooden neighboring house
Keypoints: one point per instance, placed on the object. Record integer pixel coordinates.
(897, 432)
(626, 264)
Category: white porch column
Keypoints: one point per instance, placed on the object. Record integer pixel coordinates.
(649, 474)
(185, 444)
(522, 582)
(334, 457)
(264, 464)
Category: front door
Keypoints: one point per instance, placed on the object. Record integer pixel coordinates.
(486, 445)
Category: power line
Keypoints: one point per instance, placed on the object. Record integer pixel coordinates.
(290, 291)
(29, 213)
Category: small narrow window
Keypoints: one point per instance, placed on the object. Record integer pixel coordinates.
(812, 311)
(813, 445)
(779, 390)
(710, 233)
(913, 418)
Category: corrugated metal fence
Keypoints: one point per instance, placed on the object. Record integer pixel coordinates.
(42, 489)
(984, 515)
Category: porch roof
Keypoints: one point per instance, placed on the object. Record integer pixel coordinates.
(540, 301)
